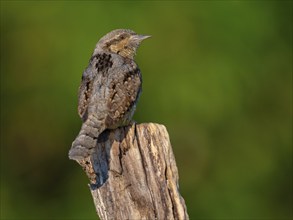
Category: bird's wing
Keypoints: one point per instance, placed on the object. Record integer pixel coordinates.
(94, 75)
(124, 87)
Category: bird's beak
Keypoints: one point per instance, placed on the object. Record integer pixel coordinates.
(141, 37)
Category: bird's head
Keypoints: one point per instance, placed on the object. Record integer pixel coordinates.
(121, 41)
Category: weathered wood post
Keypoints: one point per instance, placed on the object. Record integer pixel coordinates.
(133, 174)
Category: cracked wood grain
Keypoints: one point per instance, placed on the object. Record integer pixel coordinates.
(133, 174)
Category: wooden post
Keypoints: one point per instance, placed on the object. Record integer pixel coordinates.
(133, 174)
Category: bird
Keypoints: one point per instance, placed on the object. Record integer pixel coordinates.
(109, 91)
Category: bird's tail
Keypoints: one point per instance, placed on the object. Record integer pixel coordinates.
(86, 140)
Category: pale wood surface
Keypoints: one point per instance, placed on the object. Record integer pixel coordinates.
(133, 174)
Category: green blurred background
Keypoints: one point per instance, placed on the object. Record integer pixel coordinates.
(218, 74)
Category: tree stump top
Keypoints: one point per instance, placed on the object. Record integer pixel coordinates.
(133, 174)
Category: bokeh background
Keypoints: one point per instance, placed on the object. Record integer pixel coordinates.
(217, 74)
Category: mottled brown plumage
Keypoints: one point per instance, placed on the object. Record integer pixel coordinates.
(109, 90)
